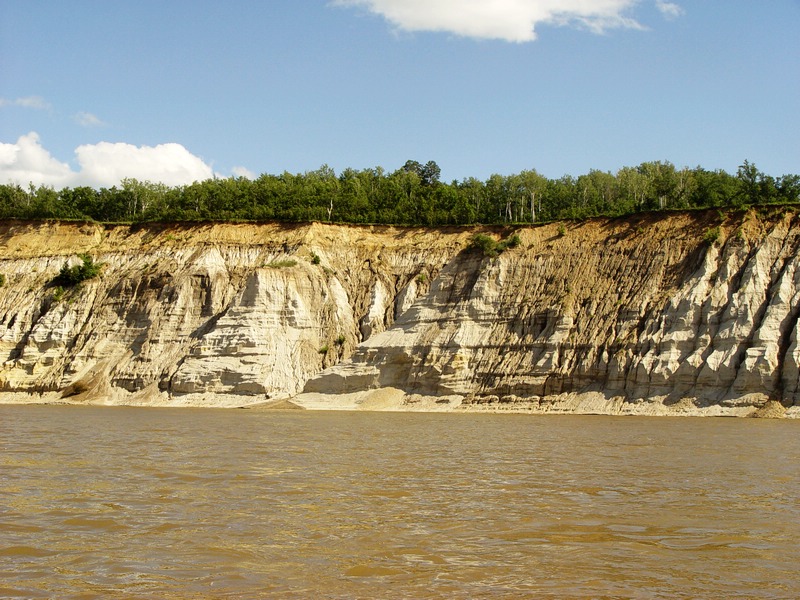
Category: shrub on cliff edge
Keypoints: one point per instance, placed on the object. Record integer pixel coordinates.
(487, 245)
(72, 276)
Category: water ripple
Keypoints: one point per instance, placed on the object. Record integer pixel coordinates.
(144, 503)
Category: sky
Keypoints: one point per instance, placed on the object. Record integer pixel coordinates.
(175, 91)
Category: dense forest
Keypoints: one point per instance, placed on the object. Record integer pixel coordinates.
(411, 195)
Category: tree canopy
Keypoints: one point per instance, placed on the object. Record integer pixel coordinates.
(411, 195)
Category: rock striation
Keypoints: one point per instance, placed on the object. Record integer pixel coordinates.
(671, 314)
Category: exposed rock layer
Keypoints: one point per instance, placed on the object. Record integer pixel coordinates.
(644, 315)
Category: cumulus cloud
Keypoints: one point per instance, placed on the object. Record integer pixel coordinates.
(669, 9)
(27, 162)
(172, 164)
(34, 102)
(102, 164)
(87, 119)
(510, 20)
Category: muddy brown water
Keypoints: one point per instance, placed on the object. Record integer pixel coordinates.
(191, 503)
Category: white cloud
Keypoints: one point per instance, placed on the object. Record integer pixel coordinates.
(87, 119)
(34, 102)
(243, 172)
(510, 20)
(107, 163)
(669, 9)
(27, 162)
(102, 164)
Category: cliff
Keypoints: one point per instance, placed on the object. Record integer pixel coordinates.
(685, 314)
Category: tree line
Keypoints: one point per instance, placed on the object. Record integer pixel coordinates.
(411, 195)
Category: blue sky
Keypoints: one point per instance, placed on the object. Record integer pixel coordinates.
(179, 90)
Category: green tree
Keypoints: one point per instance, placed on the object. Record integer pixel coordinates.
(562, 195)
(749, 180)
(430, 173)
(788, 188)
(711, 188)
(532, 186)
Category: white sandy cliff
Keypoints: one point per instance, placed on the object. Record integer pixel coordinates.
(642, 315)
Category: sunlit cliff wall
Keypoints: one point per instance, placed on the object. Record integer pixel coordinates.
(653, 314)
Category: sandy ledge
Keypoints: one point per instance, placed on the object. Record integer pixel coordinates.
(396, 400)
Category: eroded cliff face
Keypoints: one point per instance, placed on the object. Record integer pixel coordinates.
(643, 315)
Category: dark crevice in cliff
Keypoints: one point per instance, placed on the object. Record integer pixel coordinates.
(787, 397)
(19, 348)
(777, 271)
(467, 271)
(722, 313)
(789, 324)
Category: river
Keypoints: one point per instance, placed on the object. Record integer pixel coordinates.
(204, 503)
